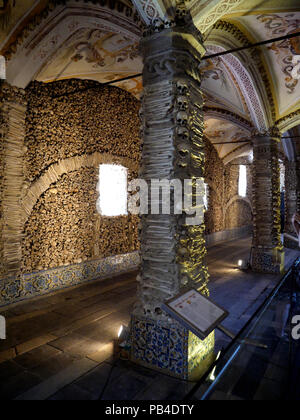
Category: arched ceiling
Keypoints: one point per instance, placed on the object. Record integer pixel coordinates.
(88, 40)
(278, 56)
(98, 54)
(219, 131)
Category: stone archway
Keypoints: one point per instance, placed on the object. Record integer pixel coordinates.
(55, 172)
(234, 202)
(247, 86)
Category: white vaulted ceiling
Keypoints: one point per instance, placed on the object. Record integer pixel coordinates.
(83, 39)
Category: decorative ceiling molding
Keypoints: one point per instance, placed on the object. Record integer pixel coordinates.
(247, 86)
(149, 10)
(255, 62)
(207, 14)
(56, 26)
(54, 5)
(290, 121)
(226, 115)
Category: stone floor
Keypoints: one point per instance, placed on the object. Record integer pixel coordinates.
(264, 374)
(61, 346)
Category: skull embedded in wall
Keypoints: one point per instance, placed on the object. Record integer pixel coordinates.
(182, 118)
(184, 150)
(181, 13)
(168, 24)
(182, 102)
(158, 25)
(183, 133)
(182, 87)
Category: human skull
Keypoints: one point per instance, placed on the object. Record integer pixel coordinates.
(182, 118)
(168, 24)
(183, 103)
(181, 13)
(182, 87)
(158, 25)
(182, 164)
(184, 150)
(183, 133)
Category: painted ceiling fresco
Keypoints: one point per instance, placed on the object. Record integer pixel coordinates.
(219, 85)
(219, 131)
(95, 54)
(104, 56)
(281, 57)
(98, 51)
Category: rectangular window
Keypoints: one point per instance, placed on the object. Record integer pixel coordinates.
(2, 68)
(112, 188)
(205, 199)
(243, 181)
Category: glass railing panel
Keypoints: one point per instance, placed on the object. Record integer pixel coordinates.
(265, 366)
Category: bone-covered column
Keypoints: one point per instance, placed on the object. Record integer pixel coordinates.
(291, 191)
(298, 183)
(13, 106)
(267, 251)
(172, 252)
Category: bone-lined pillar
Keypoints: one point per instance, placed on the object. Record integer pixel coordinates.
(172, 253)
(13, 105)
(291, 195)
(267, 251)
(298, 183)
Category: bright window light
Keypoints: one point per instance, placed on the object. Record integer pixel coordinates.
(282, 176)
(2, 68)
(243, 181)
(206, 197)
(251, 156)
(112, 188)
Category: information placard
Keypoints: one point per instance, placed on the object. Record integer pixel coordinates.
(196, 312)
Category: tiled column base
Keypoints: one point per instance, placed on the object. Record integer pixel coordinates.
(267, 261)
(170, 348)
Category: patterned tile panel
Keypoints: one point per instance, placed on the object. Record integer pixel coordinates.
(168, 347)
(35, 284)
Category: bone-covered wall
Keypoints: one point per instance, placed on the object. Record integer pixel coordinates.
(66, 120)
(2, 129)
(75, 117)
(226, 209)
(71, 127)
